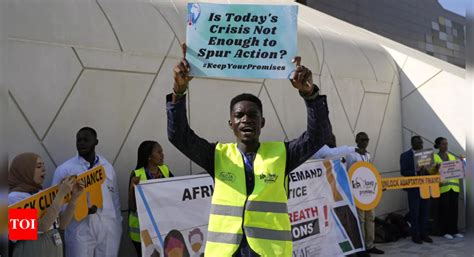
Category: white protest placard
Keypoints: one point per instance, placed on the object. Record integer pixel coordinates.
(451, 170)
(241, 40)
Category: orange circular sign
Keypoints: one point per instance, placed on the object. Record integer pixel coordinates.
(366, 185)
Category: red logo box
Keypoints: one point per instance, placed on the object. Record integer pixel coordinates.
(23, 224)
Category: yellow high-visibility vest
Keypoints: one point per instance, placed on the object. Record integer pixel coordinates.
(262, 216)
(452, 184)
(133, 223)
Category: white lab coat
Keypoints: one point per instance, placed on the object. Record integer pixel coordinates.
(97, 235)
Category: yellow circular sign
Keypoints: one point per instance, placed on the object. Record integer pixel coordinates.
(366, 185)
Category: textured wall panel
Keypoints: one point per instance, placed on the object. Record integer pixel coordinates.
(33, 70)
(107, 101)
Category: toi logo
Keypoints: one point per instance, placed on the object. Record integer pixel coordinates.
(23, 224)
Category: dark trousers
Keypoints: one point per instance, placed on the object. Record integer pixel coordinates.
(419, 212)
(138, 248)
(449, 212)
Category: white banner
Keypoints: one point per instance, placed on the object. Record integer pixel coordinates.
(451, 170)
(174, 213)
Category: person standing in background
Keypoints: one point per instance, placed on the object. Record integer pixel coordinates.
(97, 235)
(366, 218)
(25, 178)
(419, 208)
(448, 208)
(150, 165)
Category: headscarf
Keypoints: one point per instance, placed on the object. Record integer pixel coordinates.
(22, 172)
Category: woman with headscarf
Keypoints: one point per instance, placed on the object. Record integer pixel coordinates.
(25, 178)
(448, 207)
(150, 165)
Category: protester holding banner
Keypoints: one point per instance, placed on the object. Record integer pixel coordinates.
(25, 178)
(366, 218)
(419, 208)
(97, 235)
(149, 166)
(249, 214)
(449, 199)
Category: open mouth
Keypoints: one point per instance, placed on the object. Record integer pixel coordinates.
(247, 130)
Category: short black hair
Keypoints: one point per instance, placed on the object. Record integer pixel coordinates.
(438, 142)
(246, 97)
(361, 134)
(90, 130)
(415, 137)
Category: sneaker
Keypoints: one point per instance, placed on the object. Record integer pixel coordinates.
(448, 236)
(416, 240)
(375, 251)
(459, 235)
(427, 239)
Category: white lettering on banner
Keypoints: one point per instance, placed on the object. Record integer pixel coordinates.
(321, 224)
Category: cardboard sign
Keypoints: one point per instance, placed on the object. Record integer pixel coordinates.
(451, 170)
(241, 40)
(423, 158)
(92, 179)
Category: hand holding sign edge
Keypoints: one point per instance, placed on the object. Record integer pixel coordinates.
(181, 74)
(302, 78)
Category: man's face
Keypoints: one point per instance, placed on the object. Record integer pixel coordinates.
(417, 144)
(85, 142)
(246, 121)
(362, 141)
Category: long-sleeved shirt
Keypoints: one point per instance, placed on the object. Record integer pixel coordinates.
(200, 151)
(357, 157)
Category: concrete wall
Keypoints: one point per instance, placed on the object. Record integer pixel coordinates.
(108, 65)
(423, 24)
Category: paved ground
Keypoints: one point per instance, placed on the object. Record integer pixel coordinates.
(441, 247)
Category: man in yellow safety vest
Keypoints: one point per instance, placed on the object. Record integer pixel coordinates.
(249, 214)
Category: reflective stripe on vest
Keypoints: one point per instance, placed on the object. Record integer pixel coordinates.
(133, 223)
(452, 184)
(263, 215)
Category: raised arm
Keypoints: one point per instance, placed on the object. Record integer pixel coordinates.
(180, 134)
(318, 128)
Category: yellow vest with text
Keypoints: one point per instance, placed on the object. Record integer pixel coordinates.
(133, 224)
(262, 216)
(452, 184)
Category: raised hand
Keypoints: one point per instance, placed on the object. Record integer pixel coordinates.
(66, 185)
(135, 180)
(302, 78)
(77, 189)
(181, 73)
